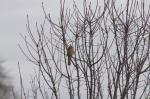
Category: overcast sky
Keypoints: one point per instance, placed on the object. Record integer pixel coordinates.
(12, 24)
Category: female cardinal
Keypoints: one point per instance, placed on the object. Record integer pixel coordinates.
(70, 52)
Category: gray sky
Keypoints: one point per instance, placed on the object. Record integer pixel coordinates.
(12, 23)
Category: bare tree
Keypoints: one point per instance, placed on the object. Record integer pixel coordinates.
(110, 44)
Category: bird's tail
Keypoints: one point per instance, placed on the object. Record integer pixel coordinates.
(69, 60)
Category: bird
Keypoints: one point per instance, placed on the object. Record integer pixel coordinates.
(70, 52)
